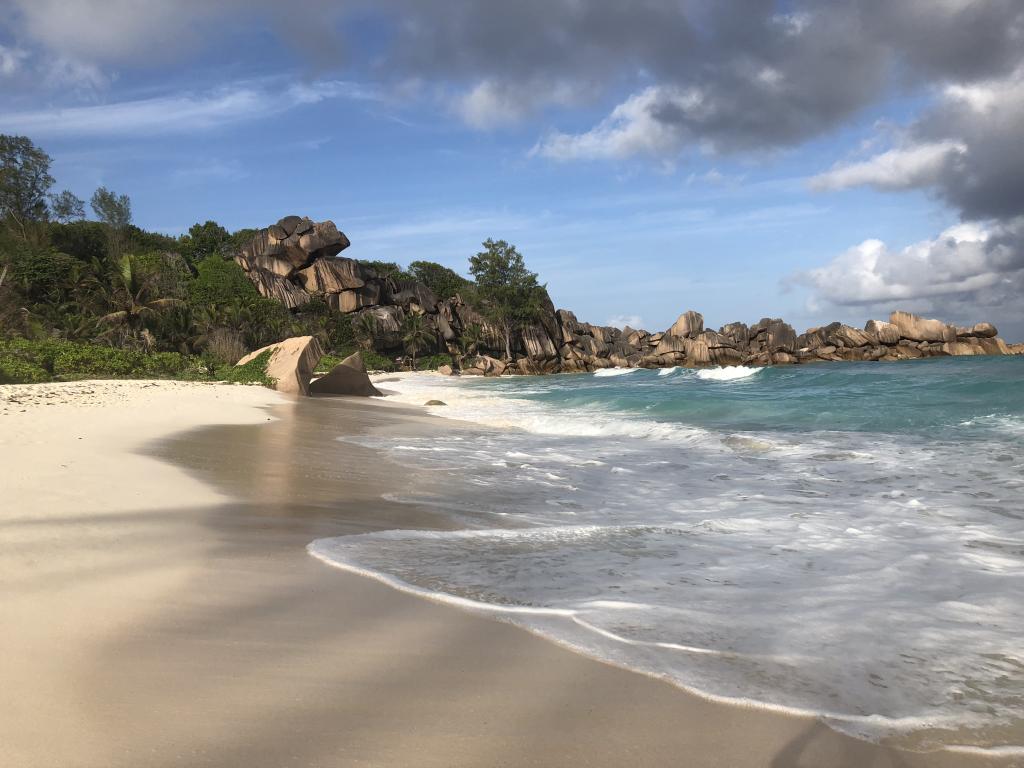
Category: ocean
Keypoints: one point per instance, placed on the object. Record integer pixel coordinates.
(841, 539)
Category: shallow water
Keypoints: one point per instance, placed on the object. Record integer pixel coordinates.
(843, 539)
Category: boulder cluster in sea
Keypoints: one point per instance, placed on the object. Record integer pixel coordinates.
(297, 258)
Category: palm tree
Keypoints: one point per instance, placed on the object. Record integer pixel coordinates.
(134, 301)
(365, 328)
(417, 335)
(472, 338)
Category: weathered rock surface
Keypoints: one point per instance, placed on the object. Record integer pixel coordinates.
(921, 329)
(886, 333)
(348, 377)
(296, 259)
(291, 363)
(689, 325)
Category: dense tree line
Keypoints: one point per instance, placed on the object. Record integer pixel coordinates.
(105, 282)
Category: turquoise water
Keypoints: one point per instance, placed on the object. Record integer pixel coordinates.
(920, 396)
(841, 539)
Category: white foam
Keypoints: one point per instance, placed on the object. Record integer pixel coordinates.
(668, 371)
(828, 572)
(727, 374)
(602, 372)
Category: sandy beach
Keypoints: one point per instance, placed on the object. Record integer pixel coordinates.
(159, 608)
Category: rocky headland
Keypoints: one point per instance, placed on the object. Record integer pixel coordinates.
(298, 259)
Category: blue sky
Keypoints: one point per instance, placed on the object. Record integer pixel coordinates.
(637, 183)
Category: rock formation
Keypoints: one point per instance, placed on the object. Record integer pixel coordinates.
(348, 377)
(291, 363)
(296, 259)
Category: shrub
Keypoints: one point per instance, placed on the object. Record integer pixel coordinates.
(40, 274)
(220, 281)
(14, 370)
(25, 361)
(371, 360)
(433, 362)
(253, 372)
(84, 240)
(225, 346)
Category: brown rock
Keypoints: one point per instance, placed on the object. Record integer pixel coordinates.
(886, 333)
(689, 325)
(921, 329)
(446, 370)
(351, 301)
(984, 331)
(670, 343)
(346, 378)
(994, 346)
(291, 363)
(961, 348)
(276, 287)
(332, 276)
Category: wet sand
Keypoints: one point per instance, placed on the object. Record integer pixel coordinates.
(175, 619)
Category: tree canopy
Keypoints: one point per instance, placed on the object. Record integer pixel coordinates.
(510, 295)
(111, 208)
(444, 282)
(25, 181)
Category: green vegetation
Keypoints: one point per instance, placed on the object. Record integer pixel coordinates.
(24, 361)
(444, 282)
(253, 372)
(104, 298)
(416, 335)
(509, 293)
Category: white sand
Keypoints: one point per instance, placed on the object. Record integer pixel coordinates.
(72, 489)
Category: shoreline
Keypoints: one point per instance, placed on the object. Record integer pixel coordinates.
(243, 628)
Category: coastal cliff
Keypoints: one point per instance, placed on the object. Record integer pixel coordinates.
(298, 259)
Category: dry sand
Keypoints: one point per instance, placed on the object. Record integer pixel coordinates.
(157, 608)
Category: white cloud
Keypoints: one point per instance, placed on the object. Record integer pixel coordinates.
(633, 128)
(965, 260)
(492, 103)
(178, 113)
(61, 72)
(902, 168)
(11, 60)
(621, 321)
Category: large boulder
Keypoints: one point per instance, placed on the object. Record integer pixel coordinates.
(922, 329)
(688, 326)
(482, 365)
(291, 363)
(294, 242)
(737, 333)
(409, 294)
(346, 378)
(332, 276)
(772, 335)
(984, 331)
(537, 344)
(886, 333)
(356, 299)
(274, 286)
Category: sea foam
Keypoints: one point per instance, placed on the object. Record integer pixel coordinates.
(787, 544)
(726, 374)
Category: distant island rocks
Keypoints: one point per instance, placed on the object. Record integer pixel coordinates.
(297, 259)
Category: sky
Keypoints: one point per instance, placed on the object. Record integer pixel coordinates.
(815, 161)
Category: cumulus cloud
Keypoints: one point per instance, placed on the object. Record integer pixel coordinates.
(634, 127)
(964, 260)
(969, 272)
(964, 151)
(733, 75)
